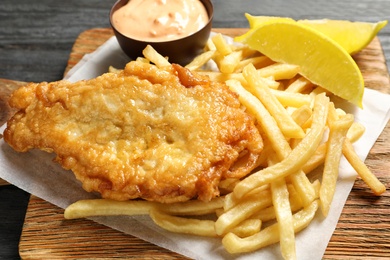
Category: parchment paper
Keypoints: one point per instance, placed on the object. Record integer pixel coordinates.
(35, 173)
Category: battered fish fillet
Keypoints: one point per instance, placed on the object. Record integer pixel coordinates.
(163, 135)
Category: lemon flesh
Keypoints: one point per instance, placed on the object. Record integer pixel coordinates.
(321, 60)
(352, 36)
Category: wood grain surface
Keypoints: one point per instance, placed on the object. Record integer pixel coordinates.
(362, 231)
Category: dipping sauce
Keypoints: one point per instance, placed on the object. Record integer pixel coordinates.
(160, 20)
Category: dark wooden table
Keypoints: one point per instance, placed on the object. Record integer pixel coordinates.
(36, 38)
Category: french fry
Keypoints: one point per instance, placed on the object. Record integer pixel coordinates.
(302, 114)
(300, 85)
(210, 46)
(303, 186)
(192, 207)
(272, 83)
(317, 187)
(316, 160)
(364, 172)
(105, 207)
(151, 54)
(243, 210)
(222, 77)
(229, 62)
(221, 45)
(248, 227)
(258, 62)
(142, 59)
(292, 99)
(337, 133)
(355, 132)
(200, 60)
(183, 225)
(279, 71)
(283, 212)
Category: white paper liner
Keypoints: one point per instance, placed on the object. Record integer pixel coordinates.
(35, 173)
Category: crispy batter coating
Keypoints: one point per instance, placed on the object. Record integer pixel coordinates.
(164, 135)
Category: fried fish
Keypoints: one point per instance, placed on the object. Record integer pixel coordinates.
(165, 135)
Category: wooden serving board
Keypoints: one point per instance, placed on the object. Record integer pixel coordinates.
(362, 231)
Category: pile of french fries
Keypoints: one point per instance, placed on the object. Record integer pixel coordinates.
(302, 130)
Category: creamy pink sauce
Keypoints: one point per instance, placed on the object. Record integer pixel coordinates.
(160, 20)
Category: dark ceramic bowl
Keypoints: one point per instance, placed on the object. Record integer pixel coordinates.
(181, 51)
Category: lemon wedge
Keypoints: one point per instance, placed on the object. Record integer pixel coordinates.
(321, 59)
(352, 36)
(255, 21)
